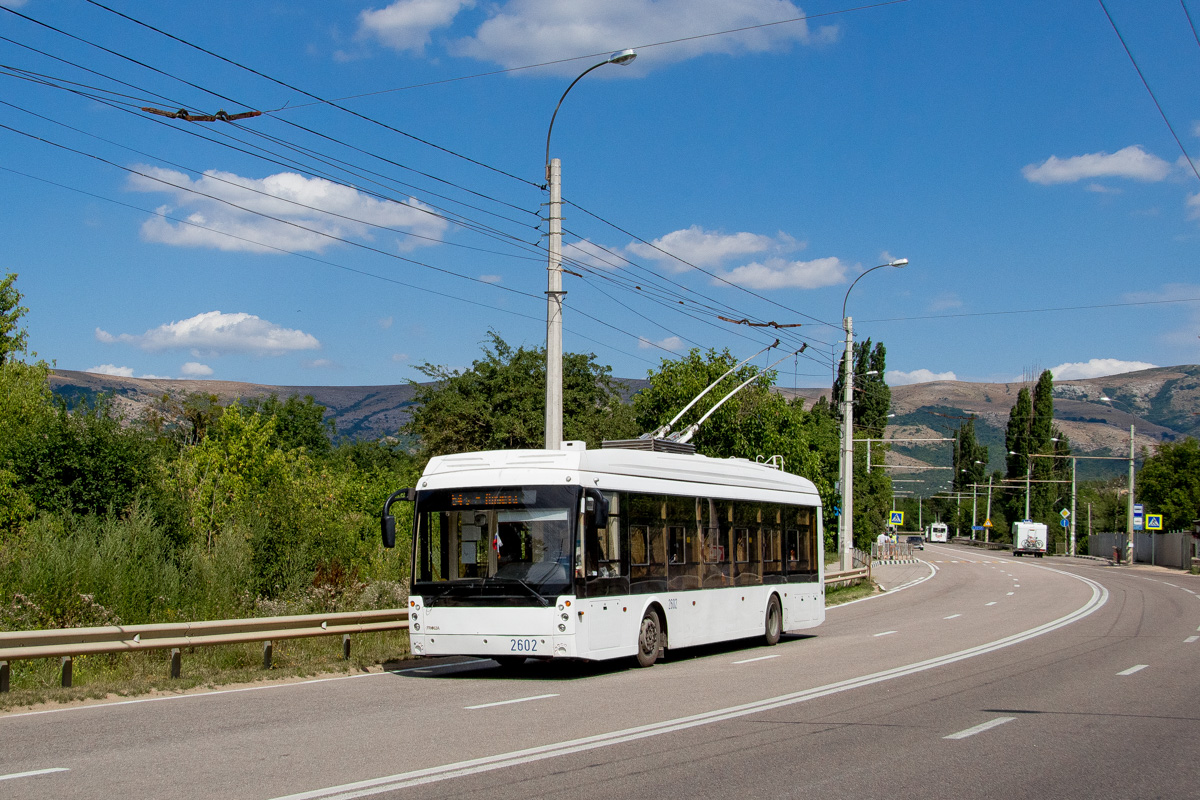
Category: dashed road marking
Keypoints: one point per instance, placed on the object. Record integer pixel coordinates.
(32, 773)
(886, 633)
(1132, 670)
(1190, 639)
(986, 726)
(952, 616)
(509, 702)
(991, 603)
(760, 658)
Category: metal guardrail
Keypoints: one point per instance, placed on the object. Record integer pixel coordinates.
(846, 576)
(66, 643)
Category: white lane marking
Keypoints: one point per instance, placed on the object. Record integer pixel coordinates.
(986, 726)
(952, 616)
(420, 777)
(760, 658)
(1132, 670)
(1173, 586)
(1190, 639)
(1189, 591)
(885, 633)
(1016, 586)
(510, 702)
(32, 773)
(991, 603)
(1009, 594)
(932, 572)
(243, 689)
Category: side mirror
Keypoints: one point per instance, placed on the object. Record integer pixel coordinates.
(387, 523)
(596, 505)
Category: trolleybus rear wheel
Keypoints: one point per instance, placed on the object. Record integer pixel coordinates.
(774, 621)
(648, 639)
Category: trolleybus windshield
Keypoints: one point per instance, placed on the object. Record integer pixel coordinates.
(507, 545)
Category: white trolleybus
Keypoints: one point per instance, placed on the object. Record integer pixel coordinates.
(938, 532)
(599, 554)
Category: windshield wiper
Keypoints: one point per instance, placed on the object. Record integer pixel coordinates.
(537, 596)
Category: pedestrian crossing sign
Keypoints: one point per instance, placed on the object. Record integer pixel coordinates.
(1154, 522)
(897, 518)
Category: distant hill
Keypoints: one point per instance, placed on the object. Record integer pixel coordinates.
(1163, 404)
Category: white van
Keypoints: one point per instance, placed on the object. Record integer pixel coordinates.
(1029, 537)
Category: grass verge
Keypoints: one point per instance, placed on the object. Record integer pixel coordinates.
(836, 596)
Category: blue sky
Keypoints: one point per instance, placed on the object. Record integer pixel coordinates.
(1009, 150)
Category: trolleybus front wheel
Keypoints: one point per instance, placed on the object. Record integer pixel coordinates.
(774, 621)
(648, 639)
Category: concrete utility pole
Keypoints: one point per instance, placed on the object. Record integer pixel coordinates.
(846, 528)
(554, 292)
(1129, 549)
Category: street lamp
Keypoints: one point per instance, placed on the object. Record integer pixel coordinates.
(554, 292)
(846, 528)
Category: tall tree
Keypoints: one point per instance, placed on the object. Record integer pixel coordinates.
(12, 337)
(871, 402)
(1017, 440)
(498, 403)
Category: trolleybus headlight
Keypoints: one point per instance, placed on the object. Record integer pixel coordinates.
(561, 627)
(416, 626)
(565, 617)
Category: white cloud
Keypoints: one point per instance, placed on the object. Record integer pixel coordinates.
(945, 301)
(895, 377)
(400, 358)
(1131, 162)
(216, 333)
(778, 273)
(283, 196)
(709, 248)
(386, 322)
(1096, 368)
(111, 369)
(672, 343)
(1100, 188)
(523, 32)
(194, 369)
(320, 363)
(490, 278)
(1193, 205)
(406, 24)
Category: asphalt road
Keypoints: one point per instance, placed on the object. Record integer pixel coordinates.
(980, 675)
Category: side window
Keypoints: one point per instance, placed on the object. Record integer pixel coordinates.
(639, 548)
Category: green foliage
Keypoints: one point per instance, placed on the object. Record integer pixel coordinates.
(298, 423)
(12, 338)
(500, 403)
(755, 422)
(1169, 483)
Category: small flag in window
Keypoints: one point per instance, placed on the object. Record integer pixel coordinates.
(496, 542)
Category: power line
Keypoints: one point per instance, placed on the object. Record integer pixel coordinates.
(1145, 83)
(334, 104)
(334, 264)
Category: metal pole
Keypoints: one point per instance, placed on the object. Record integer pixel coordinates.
(974, 509)
(1072, 550)
(986, 530)
(1129, 548)
(1028, 474)
(847, 529)
(554, 307)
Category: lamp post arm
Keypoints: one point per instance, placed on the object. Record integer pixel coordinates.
(557, 107)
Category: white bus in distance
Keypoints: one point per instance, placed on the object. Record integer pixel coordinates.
(938, 532)
(610, 553)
